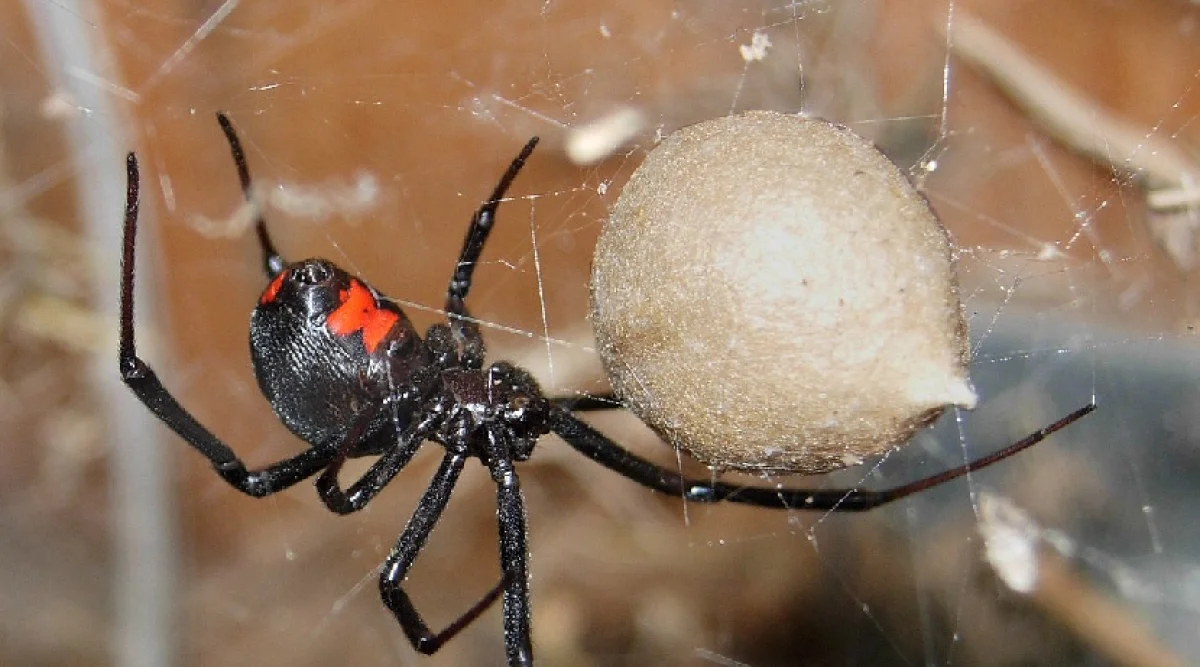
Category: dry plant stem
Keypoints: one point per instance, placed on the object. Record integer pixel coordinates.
(1071, 117)
(61, 320)
(1016, 549)
(1167, 199)
(1095, 618)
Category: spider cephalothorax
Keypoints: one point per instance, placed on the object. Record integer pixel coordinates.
(345, 370)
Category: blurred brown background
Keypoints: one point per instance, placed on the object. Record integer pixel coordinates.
(374, 129)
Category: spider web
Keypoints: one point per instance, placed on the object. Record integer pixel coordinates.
(373, 131)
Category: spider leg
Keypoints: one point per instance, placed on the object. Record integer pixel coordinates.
(140, 378)
(609, 454)
(466, 331)
(396, 567)
(588, 402)
(477, 234)
(273, 262)
(377, 476)
(514, 553)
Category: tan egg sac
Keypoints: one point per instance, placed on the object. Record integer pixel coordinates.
(770, 293)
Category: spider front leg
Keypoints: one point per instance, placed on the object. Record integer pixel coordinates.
(465, 330)
(514, 552)
(142, 380)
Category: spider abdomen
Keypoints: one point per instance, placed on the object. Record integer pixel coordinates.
(313, 381)
(322, 343)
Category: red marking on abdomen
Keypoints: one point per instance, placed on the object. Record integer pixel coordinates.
(360, 312)
(272, 290)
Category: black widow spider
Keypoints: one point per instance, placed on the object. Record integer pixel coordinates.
(346, 371)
